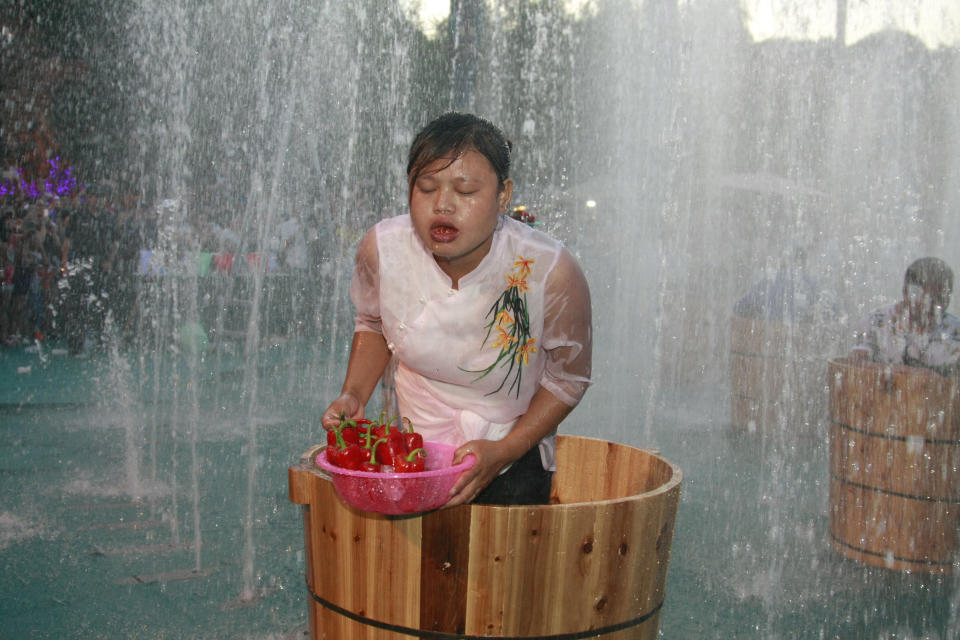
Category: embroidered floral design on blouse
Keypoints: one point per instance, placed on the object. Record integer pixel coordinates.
(510, 327)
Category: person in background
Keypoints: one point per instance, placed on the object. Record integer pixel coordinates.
(127, 243)
(916, 331)
(7, 265)
(49, 291)
(88, 254)
(25, 307)
(792, 295)
(488, 319)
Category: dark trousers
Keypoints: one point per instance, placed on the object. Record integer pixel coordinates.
(525, 482)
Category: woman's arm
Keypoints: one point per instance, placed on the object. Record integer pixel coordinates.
(368, 358)
(368, 352)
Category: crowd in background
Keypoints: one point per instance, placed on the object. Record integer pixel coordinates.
(63, 257)
(73, 256)
(70, 261)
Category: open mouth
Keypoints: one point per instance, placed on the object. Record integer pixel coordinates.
(443, 232)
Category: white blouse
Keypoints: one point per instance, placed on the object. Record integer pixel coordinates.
(889, 338)
(471, 358)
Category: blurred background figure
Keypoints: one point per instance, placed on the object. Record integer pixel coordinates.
(916, 331)
(88, 253)
(792, 294)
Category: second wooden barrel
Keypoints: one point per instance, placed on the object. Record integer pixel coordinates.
(894, 476)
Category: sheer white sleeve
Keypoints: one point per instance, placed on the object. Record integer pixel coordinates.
(567, 331)
(365, 285)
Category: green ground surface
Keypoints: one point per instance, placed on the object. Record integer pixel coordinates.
(81, 557)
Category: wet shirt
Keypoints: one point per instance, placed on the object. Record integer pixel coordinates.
(471, 358)
(886, 334)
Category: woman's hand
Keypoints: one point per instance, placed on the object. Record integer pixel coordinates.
(491, 456)
(346, 404)
(543, 415)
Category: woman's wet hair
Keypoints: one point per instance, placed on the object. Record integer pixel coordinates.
(454, 133)
(930, 273)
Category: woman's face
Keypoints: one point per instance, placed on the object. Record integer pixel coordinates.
(455, 206)
(926, 305)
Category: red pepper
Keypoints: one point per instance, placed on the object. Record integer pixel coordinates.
(335, 443)
(384, 420)
(382, 429)
(367, 441)
(410, 463)
(411, 440)
(350, 435)
(344, 451)
(349, 457)
(343, 433)
(373, 464)
(342, 430)
(384, 450)
(349, 428)
(369, 446)
(333, 433)
(394, 448)
(362, 426)
(383, 426)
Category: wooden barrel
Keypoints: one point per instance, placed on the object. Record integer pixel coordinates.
(592, 564)
(894, 455)
(776, 374)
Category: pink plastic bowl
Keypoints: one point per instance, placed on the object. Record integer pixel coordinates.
(399, 493)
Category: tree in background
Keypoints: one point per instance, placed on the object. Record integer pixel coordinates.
(61, 92)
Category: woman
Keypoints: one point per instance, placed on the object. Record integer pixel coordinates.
(489, 319)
